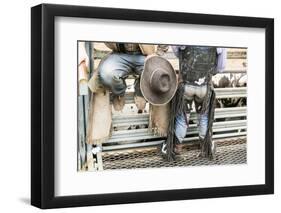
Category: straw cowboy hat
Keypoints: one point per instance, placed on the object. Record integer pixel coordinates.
(158, 81)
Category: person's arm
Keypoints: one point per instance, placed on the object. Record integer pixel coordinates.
(221, 59)
(162, 49)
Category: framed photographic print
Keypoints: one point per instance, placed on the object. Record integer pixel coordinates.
(139, 106)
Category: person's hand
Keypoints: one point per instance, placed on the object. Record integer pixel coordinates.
(151, 55)
(162, 49)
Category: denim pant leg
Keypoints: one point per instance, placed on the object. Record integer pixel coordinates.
(138, 62)
(115, 67)
(203, 125)
(181, 127)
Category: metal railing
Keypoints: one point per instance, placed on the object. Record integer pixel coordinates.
(142, 119)
(123, 139)
(231, 92)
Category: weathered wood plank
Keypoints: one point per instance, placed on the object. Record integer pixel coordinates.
(81, 132)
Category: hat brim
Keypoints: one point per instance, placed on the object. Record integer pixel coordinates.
(152, 97)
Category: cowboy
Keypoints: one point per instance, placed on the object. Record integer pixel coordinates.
(109, 79)
(124, 60)
(197, 66)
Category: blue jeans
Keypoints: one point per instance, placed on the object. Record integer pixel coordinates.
(115, 68)
(192, 93)
(181, 125)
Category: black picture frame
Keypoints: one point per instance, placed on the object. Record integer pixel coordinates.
(43, 105)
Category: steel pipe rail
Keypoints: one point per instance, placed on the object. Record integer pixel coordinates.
(142, 119)
(234, 71)
(231, 92)
(125, 136)
(189, 140)
(99, 54)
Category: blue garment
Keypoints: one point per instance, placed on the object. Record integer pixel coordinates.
(115, 68)
(197, 94)
(181, 125)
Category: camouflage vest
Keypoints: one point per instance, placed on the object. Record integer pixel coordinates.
(197, 64)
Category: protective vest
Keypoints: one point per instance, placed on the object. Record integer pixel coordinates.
(197, 63)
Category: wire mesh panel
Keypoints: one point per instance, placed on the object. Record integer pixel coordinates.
(231, 151)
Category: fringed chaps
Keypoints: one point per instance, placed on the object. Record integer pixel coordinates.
(140, 102)
(177, 106)
(100, 118)
(159, 117)
(206, 143)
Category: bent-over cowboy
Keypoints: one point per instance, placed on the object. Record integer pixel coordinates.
(124, 60)
(197, 65)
